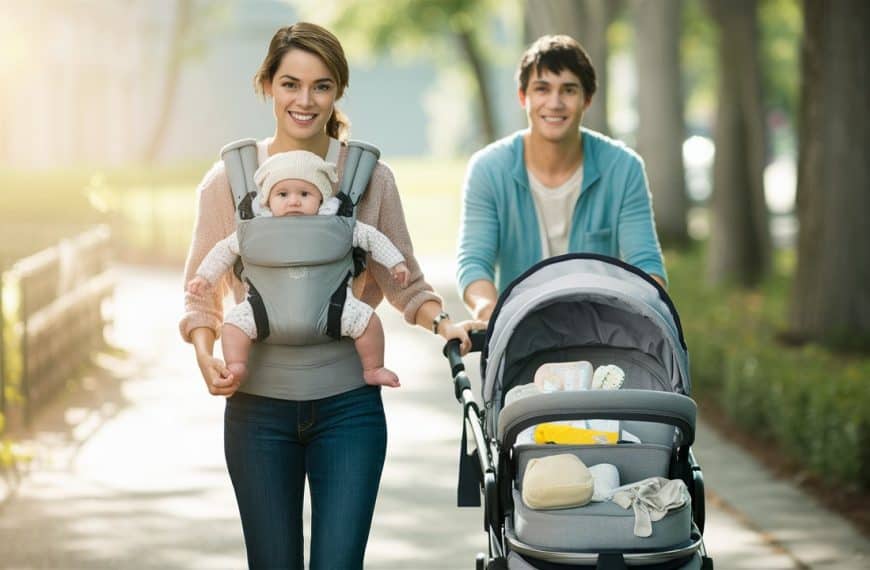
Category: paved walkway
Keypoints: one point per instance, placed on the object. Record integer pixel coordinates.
(128, 469)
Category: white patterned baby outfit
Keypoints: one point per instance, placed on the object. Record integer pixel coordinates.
(354, 316)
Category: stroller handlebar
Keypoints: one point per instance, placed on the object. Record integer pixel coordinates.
(451, 349)
(454, 357)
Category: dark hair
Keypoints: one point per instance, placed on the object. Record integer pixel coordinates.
(318, 41)
(555, 53)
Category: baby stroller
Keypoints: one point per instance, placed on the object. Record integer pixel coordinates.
(582, 307)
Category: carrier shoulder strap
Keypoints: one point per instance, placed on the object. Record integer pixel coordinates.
(358, 168)
(240, 162)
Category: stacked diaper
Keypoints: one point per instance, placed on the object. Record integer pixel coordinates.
(572, 376)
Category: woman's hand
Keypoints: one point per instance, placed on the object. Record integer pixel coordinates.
(460, 331)
(198, 286)
(401, 274)
(218, 379)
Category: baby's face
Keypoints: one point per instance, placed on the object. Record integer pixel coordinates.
(294, 197)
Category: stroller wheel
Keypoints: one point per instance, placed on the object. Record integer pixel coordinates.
(480, 561)
(497, 564)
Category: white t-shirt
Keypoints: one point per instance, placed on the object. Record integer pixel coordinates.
(555, 208)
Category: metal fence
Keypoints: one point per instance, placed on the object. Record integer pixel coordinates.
(52, 319)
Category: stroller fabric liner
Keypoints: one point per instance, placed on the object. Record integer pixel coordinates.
(581, 307)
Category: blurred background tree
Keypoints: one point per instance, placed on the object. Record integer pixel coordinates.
(395, 25)
(739, 234)
(660, 114)
(180, 32)
(831, 297)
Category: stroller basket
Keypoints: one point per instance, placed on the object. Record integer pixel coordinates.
(686, 552)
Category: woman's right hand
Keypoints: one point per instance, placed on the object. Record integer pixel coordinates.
(198, 286)
(218, 379)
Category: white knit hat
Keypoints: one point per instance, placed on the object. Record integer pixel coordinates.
(298, 164)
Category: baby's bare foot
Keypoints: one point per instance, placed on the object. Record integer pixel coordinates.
(381, 377)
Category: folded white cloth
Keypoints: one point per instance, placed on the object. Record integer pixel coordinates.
(651, 500)
(605, 477)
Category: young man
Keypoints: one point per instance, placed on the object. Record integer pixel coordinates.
(552, 188)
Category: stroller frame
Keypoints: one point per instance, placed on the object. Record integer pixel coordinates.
(489, 465)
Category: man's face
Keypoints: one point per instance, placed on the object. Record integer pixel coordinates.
(554, 104)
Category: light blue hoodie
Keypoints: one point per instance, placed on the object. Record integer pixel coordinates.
(500, 236)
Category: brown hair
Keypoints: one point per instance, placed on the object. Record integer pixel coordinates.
(555, 53)
(318, 41)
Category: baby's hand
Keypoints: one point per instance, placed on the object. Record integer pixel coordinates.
(198, 285)
(401, 274)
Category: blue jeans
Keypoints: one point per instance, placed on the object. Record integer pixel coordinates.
(271, 445)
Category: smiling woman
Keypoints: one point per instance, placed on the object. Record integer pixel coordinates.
(285, 424)
(305, 83)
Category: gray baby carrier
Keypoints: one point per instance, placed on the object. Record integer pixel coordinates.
(297, 268)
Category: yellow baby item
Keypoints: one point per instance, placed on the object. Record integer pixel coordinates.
(565, 434)
(556, 482)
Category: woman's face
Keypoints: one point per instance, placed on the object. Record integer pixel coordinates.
(304, 94)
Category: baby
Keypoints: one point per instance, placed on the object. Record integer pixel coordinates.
(299, 183)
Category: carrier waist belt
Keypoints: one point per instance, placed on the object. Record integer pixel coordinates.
(293, 266)
(303, 372)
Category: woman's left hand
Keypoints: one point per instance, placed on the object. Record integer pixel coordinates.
(460, 331)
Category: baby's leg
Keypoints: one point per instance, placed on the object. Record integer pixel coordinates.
(236, 334)
(360, 322)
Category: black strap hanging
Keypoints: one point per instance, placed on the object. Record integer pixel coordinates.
(468, 486)
(261, 317)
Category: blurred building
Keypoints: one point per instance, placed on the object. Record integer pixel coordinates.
(82, 82)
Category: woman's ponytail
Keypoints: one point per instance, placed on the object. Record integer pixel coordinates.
(338, 126)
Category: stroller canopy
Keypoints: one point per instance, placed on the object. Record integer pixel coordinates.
(583, 300)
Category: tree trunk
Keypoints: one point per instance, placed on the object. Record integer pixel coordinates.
(739, 234)
(472, 54)
(587, 22)
(830, 300)
(661, 129)
(183, 17)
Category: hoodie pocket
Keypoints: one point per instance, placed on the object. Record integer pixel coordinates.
(598, 241)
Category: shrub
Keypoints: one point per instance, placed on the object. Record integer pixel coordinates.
(815, 404)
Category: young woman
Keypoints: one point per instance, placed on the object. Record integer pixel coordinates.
(284, 424)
